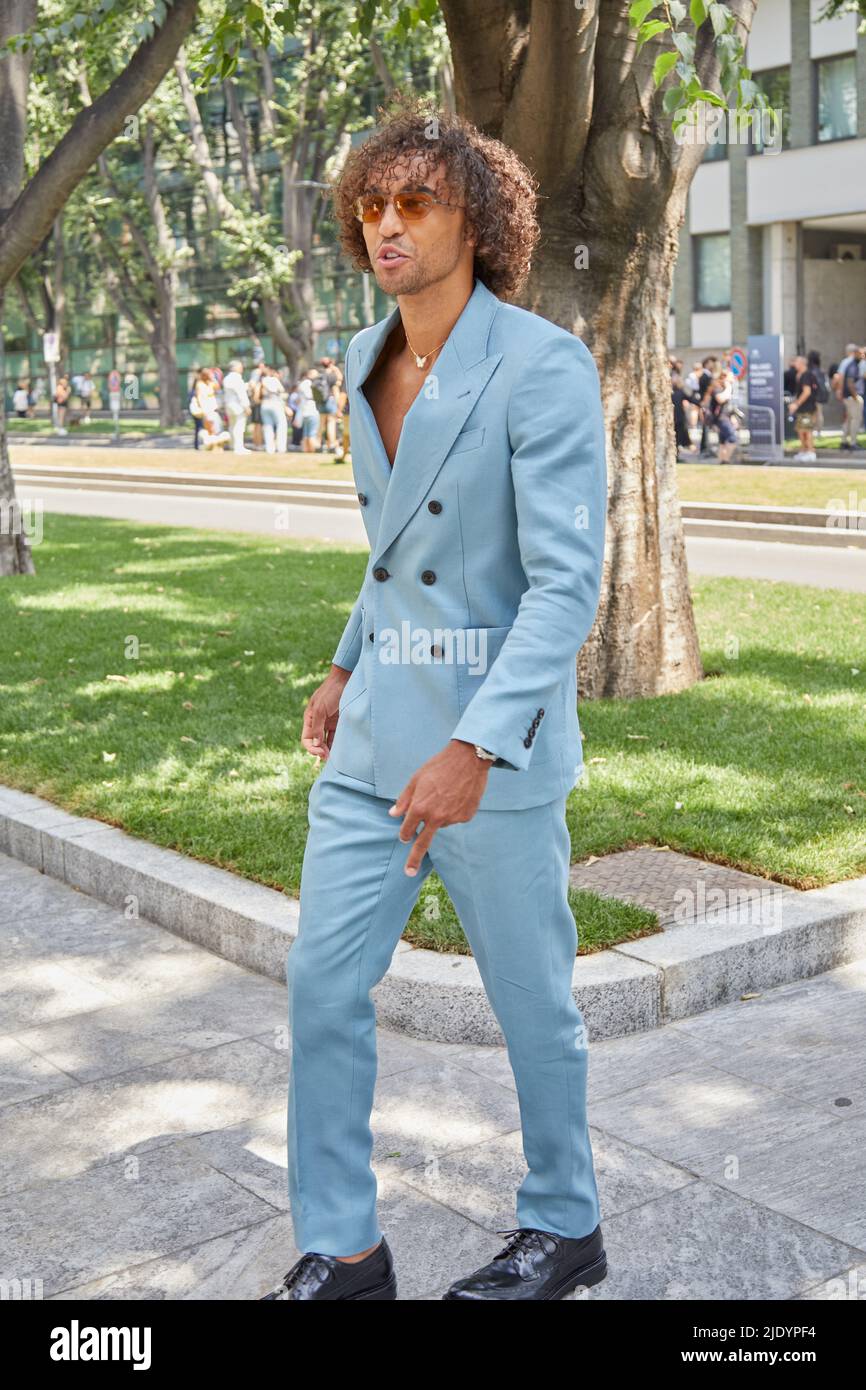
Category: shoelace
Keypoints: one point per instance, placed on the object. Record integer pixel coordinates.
(306, 1263)
(521, 1237)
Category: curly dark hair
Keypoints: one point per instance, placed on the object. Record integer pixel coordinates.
(496, 188)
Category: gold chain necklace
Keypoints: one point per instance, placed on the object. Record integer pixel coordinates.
(419, 360)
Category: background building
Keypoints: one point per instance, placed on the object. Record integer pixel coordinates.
(776, 243)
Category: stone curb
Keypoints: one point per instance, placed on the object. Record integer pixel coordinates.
(429, 994)
(722, 520)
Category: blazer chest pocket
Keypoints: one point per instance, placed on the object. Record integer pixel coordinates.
(468, 439)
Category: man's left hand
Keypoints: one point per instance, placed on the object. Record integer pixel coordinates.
(445, 790)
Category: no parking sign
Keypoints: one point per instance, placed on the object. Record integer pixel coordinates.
(737, 361)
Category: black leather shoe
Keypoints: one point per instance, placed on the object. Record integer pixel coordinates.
(536, 1264)
(324, 1276)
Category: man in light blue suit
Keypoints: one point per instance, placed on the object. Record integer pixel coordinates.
(448, 724)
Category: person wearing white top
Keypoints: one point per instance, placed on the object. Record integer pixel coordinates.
(310, 419)
(237, 405)
(274, 419)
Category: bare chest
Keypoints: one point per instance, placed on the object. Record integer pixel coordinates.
(391, 389)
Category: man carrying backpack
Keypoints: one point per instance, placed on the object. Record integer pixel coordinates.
(846, 382)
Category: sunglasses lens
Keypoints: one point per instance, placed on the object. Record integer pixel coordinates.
(369, 209)
(412, 206)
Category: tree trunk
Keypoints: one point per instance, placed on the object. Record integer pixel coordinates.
(643, 641)
(613, 184)
(165, 280)
(26, 217)
(164, 347)
(16, 556)
(15, 16)
(58, 283)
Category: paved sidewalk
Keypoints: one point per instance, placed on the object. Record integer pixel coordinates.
(143, 1090)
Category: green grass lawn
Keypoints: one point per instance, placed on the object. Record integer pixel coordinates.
(186, 460)
(698, 482)
(40, 425)
(155, 678)
(823, 441)
(773, 486)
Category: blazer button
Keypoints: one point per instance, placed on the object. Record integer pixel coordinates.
(434, 507)
(362, 498)
(527, 742)
(436, 650)
(381, 573)
(372, 635)
(428, 577)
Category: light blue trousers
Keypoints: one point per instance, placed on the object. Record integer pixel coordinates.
(507, 875)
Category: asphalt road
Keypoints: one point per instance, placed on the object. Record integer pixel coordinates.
(839, 568)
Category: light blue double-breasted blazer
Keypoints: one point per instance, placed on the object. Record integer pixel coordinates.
(487, 542)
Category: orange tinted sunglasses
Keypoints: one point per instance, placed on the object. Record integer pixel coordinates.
(409, 207)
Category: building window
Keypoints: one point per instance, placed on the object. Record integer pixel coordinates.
(775, 83)
(712, 261)
(836, 98)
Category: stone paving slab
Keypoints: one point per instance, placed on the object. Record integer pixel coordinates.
(725, 934)
(132, 1175)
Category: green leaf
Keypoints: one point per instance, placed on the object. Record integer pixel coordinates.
(686, 45)
(712, 97)
(721, 18)
(678, 10)
(672, 98)
(638, 12)
(649, 30)
(662, 66)
(698, 12)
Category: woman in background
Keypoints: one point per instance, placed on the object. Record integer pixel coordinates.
(274, 418)
(214, 433)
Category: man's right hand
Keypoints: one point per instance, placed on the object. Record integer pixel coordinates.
(322, 713)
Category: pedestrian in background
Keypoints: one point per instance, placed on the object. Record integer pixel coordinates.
(681, 429)
(274, 418)
(846, 382)
(62, 392)
(85, 391)
(296, 402)
(114, 398)
(721, 399)
(803, 410)
(237, 405)
(330, 378)
(310, 418)
(214, 435)
(21, 400)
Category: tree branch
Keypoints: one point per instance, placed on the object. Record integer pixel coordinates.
(92, 130)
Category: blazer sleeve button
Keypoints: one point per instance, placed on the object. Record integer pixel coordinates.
(527, 742)
(362, 498)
